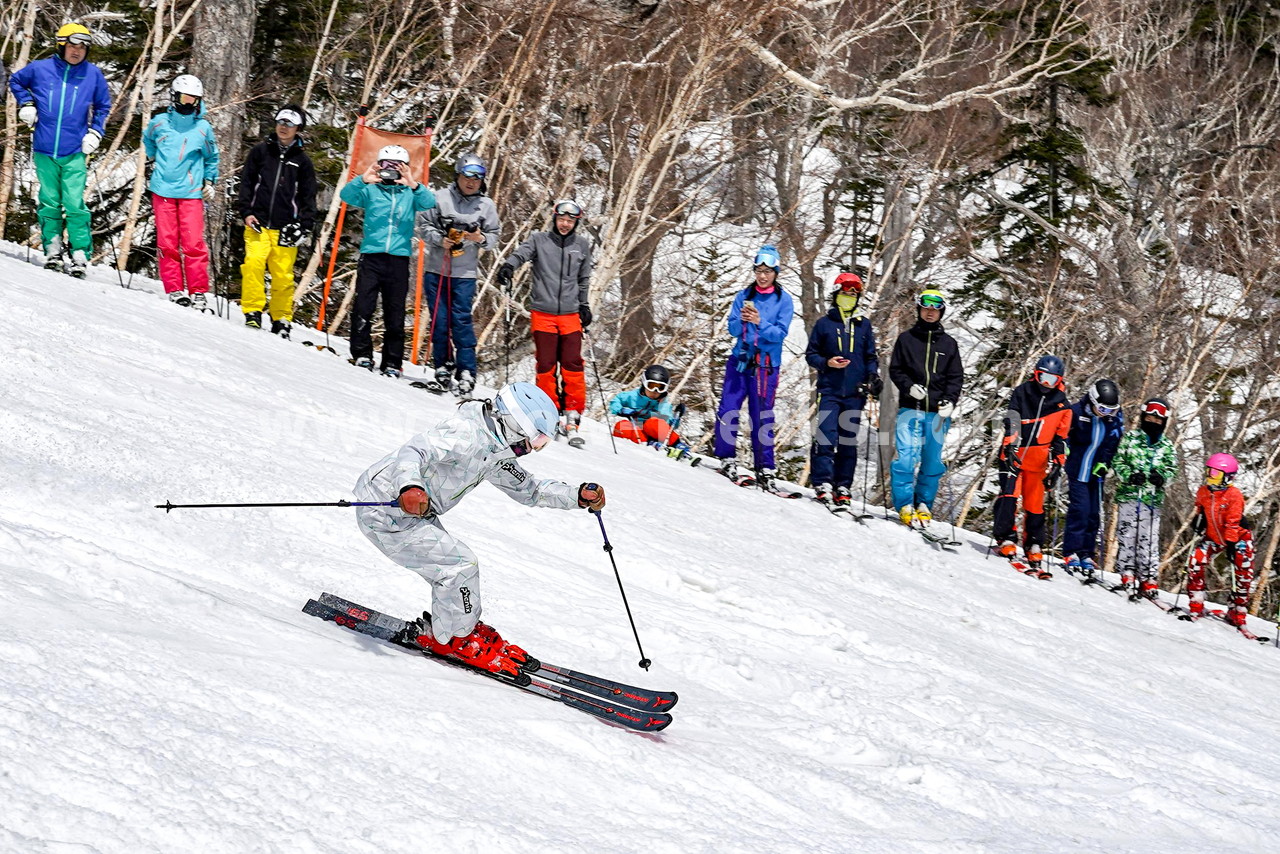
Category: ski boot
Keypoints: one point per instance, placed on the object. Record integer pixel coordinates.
(730, 469)
(908, 515)
(1150, 589)
(822, 494)
(199, 303)
(394, 373)
(53, 254)
(466, 383)
(253, 319)
(282, 328)
(923, 515)
(843, 497)
(1008, 550)
(1072, 565)
(571, 422)
(1035, 560)
(77, 264)
(180, 298)
(1089, 569)
(767, 479)
(483, 649)
(1236, 616)
(365, 362)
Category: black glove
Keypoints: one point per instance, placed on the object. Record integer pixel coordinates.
(1009, 459)
(871, 386)
(505, 274)
(584, 314)
(1156, 479)
(291, 234)
(1138, 478)
(1051, 478)
(1198, 523)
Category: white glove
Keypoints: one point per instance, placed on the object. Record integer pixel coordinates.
(90, 142)
(945, 409)
(208, 191)
(918, 391)
(27, 114)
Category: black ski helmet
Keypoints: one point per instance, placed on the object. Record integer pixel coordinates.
(657, 374)
(1105, 394)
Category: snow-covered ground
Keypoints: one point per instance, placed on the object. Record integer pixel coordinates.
(843, 688)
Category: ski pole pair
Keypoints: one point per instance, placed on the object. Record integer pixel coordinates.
(168, 507)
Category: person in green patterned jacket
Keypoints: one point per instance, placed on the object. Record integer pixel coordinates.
(1144, 464)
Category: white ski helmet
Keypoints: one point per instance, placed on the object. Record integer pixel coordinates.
(186, 84)
(393, 152)
(527, 415)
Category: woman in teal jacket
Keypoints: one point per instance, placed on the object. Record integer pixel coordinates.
(391, 199)
(183, 152)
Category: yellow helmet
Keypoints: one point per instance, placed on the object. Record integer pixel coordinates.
(931, 298)
(74, 33)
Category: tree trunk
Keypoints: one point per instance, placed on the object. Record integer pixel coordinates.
(11, 116)
(221, 58)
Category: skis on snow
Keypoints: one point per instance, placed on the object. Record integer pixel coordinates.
(935, 539)
(626, 705)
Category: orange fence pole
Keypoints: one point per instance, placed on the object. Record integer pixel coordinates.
(417, 304)
(342, 216)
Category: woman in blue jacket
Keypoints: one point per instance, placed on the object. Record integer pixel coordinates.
(759, 320)
(183, 152)
(842, 349)
(391, 198)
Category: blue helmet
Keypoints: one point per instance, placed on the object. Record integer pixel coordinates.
(527, 415)
(1051, 365)
(769, 257)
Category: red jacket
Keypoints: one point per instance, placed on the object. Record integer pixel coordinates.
(1043, 420)
(1222, 509)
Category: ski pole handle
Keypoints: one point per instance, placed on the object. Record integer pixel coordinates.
(168, 506)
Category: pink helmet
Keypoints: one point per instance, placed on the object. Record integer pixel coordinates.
(1224, 463)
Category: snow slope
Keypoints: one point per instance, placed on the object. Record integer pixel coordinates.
(843, 689)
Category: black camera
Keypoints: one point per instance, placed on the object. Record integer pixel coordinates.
(389, 176)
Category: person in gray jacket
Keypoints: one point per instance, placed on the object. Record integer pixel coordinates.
(464, 222)
(427, 477)
(559, 313)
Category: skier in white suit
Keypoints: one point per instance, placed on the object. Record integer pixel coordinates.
(428, 476)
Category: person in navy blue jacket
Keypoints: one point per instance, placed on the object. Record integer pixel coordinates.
(1096, 427)
(65, 99)
(842, 349)
(759, 320)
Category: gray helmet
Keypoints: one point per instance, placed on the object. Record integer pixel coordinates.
(472, 165)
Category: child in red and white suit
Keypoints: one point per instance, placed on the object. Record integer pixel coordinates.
(1219, 518)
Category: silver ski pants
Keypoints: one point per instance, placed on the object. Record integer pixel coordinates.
(424, 546)
(1138, 539)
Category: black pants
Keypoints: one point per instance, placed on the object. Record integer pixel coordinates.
(380, 273)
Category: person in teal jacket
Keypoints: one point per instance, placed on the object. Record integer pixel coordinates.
(183, 152)
(647, 416)
(65, 99)
(391, 199)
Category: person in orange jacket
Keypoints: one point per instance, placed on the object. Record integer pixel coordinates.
(1032, 454)
(1220, 521)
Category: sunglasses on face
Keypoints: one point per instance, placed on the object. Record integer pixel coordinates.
(285, 123)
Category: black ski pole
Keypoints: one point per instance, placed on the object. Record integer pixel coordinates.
(608, 547)
(111, 240)
(167, 506)
(595, 367)
(506, 336)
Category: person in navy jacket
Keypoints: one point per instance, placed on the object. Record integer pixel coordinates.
(65, 99)
(759, 320)
(842, 349)
(1096, 427)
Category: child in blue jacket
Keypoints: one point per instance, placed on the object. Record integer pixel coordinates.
(647, 415)
(1097, 424)
(391, 199)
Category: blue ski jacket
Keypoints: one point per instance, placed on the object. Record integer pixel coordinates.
(1092, 439)
(635, 404)
(390, 213)
(185, 153)
(759, 345)
(854, 340)
(66, 96)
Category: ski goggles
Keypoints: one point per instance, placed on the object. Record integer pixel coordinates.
(472, 170)
(1105, 411)
(288, 118)
(1048, 380)
(1155, 407)
(767, 259)
(567, 207)
(76, 39)
(657, 386)
(849, 282)
(1213, 477)
(931, 301)
(528, 446)
(391, 164)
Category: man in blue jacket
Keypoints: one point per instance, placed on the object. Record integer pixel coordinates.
(842, 349)
(1096, 427)
(759, 320)
(65, 98)
(391, 199)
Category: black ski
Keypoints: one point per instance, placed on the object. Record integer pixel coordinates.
(1220, 616)
(627, 706)
(781, 492)
(935, 539)
(430, 385)
(743, 480)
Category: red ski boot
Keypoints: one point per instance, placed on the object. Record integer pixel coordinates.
(1236, 616)
(510, 650)
(482, 649)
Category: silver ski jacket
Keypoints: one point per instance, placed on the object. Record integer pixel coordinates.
(561, 270)
(465, 211)
(452, 458)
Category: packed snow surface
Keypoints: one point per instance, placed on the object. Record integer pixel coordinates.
(842, 688)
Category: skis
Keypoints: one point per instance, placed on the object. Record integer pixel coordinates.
(743, 480)
(626, 705)
(935, 539)
(780, 491)
(1035, 570)
(430, 385)
(1220, 616)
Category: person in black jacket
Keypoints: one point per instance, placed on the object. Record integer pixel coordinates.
(927, 370)
(278, 205)
(842, 348)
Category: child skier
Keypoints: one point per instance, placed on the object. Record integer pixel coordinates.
(1220, 521)
(647, 415)
(1031, 457)
(1145, 463)
(428, 477)
(1096, 427)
